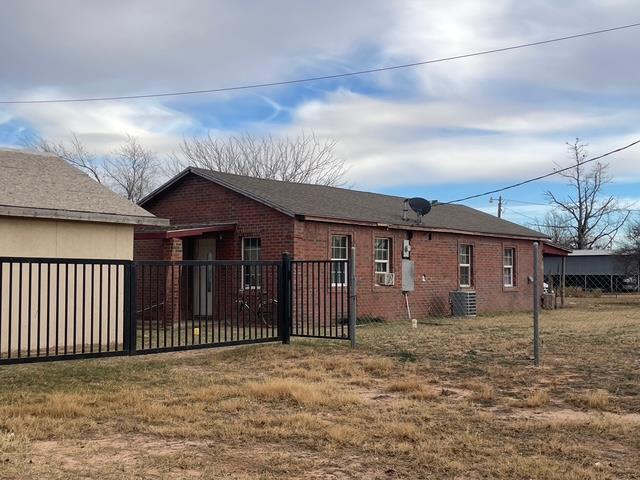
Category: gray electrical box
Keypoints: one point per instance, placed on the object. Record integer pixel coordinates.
(408, 275)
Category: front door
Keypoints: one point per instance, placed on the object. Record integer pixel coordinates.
(204, 249)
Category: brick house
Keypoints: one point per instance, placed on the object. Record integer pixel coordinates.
(223, 216)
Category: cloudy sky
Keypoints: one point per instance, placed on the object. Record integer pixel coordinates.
(439, 131)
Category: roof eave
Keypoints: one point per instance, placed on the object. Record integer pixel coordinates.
(73, 215)
(185, 232)
(312, 218)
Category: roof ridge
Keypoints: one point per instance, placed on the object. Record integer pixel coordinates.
(29, 151)
(289, 182)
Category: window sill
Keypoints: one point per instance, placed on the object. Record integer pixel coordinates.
(515, 288)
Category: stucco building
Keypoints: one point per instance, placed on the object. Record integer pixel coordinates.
(59, 230)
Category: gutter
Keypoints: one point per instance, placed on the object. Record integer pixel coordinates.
(421, 228)
(77, 215)
(185, 232)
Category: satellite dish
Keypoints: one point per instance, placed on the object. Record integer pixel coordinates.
(420, 205)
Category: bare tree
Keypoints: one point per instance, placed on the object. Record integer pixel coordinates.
(629, 248)
(73, 152)
(132, 169)
(594, 219)
(555, 225)
(304, 159)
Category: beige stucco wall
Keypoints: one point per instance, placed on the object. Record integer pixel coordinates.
(27, 237)
(75, 302)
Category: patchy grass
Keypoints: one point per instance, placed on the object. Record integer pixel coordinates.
(595, 399)
(536, 399)
(454, 399)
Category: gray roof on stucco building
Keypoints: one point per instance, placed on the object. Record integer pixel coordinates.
(41, 185)
(346, 205)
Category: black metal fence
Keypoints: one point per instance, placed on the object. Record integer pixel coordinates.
(321, 298)
(192, 304)
(57, 309)
(60, 309)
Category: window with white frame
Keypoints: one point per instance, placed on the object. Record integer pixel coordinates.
(339, 257)
(508, 269)
(465, 260)
(251, 251)
(381, 261)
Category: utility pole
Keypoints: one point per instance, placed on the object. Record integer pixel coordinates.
(536, 304)
(499, 200)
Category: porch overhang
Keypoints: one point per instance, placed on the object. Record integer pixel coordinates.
(185, 232)
(551, 250)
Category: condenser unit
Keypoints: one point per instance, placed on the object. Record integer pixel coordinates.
(386, 279)
(463, 303)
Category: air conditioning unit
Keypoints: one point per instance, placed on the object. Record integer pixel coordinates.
(386, 279)
(463, 303)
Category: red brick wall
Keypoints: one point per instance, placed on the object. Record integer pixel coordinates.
(436, 269)
(148, 249)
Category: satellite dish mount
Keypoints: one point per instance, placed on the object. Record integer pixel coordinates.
(419, 205)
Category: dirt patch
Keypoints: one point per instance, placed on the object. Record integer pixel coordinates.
(112, 451)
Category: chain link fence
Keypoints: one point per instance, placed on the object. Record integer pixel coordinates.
(577, 289)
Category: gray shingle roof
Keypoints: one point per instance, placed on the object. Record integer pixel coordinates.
(43, 185)
(352, 205)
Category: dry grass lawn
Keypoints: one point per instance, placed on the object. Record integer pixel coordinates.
(452, 399)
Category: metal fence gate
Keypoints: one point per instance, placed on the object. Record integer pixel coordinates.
(61, 309)
(197, 304)
(321, 300)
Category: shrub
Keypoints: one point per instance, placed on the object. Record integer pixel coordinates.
(579, 292)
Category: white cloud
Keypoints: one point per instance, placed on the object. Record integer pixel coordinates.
(419, 142)
(485, 119)
(103, 125)
(123, 46)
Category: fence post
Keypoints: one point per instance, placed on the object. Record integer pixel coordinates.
(130, 330)
(563, 280)
(536, 304)
(286, 278)
(353, 296)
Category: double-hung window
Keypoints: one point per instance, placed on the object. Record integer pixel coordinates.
(508, 268)
(381, 260)
(465, 260)
(251, 251)
(339, 257)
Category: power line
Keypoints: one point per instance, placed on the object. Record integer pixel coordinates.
(511, 210)
(541, 177)
(323, 77)
(512, 200)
